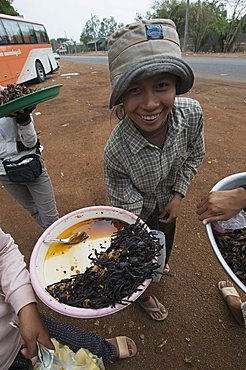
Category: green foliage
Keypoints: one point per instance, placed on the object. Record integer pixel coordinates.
(94, 28)
(209, 27)
(243, 25)
(172, 9)
(107, 26)
(7, 8)
(237, 22)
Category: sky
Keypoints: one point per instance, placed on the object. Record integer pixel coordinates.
(67, 18)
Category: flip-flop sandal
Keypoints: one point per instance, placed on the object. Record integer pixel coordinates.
(227, 290)
(150, 310)
(122, 344)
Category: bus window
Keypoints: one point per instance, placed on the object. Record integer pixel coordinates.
(3, 35)
(13, 31)
(28, 33)
(41, 34)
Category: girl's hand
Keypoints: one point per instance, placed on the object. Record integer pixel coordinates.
(32, 330)
(171, 210)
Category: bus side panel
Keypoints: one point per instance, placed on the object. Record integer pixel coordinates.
(19, 62)
(12, 60)
(42, 54)
(5, 74)
(53, 62)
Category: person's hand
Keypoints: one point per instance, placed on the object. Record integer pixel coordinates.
(221, 205)
(22, 116)
(171, 210)
(32, 330)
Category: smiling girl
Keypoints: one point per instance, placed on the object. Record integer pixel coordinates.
(155, 150)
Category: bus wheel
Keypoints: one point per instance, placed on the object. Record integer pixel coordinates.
(40, 72)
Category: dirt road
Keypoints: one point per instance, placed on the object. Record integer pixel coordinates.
(199, 333)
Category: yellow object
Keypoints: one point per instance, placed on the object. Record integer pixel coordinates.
(81, 360)
(81, 357)
(65, 358)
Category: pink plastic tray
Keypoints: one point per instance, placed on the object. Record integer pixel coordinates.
(42, 275)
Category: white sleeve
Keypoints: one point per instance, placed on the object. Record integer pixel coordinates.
(27, 134)
(14, 277)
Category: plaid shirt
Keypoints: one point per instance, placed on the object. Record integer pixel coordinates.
(140, 176)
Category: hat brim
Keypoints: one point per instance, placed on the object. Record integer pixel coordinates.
(174, 66)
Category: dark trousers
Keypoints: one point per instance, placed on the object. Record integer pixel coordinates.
(169, 230)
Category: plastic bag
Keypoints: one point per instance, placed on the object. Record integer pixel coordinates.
(235, 223)
(162, 258)
(63, 358)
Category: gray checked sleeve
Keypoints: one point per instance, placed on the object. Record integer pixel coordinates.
(194, 159)
(119, 187)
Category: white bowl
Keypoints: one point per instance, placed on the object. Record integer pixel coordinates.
(44, 273)
(228, 183)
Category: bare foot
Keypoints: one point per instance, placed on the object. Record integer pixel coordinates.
(125, 347)
(232, 299)
(153, 308)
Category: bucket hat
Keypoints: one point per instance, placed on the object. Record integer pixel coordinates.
(143, 49)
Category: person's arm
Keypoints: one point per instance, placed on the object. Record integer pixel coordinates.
(221, 205)
(27, 136)
(16, 287)
(196, 153)
(13, 135)
(195, 157)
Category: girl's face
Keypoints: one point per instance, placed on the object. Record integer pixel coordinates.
(148, 102)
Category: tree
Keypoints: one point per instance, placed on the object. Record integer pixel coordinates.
(237, 21)
(208, 23)
(94, 28)
(90, 30)
(186, 23)
(108, 26)
(172, 9)
(7, 8)
(209, 26)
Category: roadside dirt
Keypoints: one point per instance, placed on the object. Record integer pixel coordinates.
(199, 332)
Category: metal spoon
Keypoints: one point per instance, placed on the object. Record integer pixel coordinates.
(72, 239)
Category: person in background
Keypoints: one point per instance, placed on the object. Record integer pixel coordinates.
(155, 150)
(18, 303)
(18, 138)
(221, 206)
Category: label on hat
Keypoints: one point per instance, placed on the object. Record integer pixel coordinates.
(153, 31)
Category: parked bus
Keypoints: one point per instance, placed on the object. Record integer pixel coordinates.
(25, 51)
